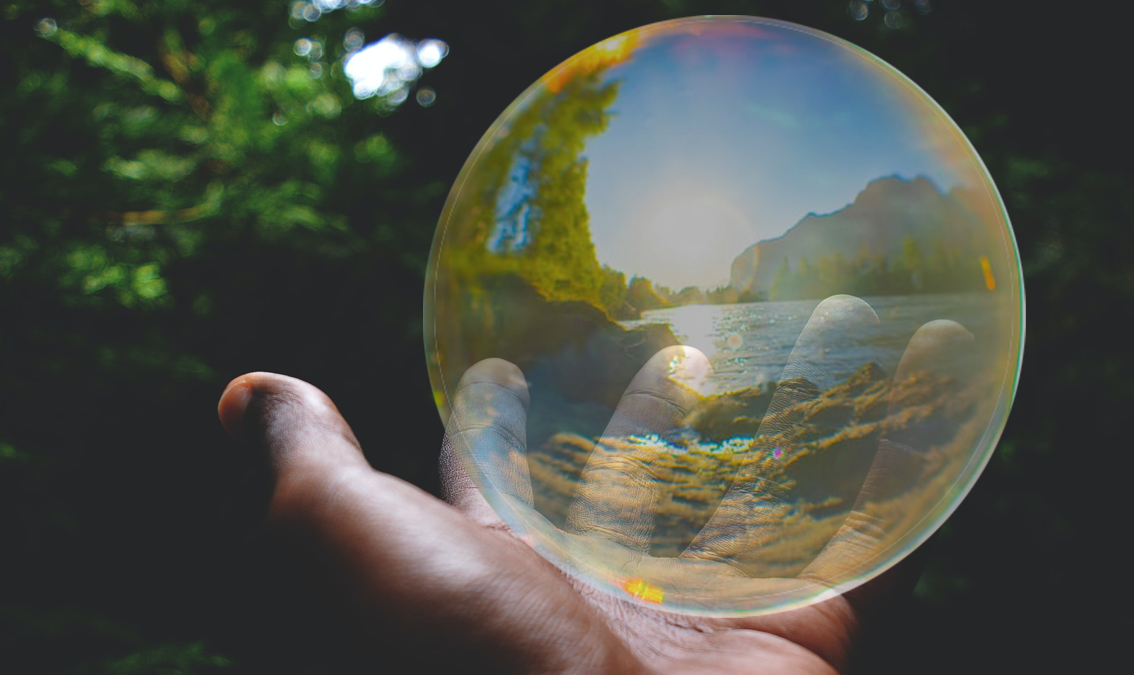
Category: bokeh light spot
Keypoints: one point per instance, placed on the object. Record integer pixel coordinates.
(46, 27)
(430, 52)
(895, 19)
(389, 68)
(353, 40)
(426, 97)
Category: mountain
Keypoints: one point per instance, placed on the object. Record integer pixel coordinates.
(877, 225)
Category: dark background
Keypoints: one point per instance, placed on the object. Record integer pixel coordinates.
(157, 240)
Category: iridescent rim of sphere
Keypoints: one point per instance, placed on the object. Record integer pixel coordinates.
(535, 531)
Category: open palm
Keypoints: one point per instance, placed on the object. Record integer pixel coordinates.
(450, 585)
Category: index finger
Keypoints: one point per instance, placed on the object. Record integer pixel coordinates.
(757, 504)
(898, 463)
(487, 438)
(618, 493)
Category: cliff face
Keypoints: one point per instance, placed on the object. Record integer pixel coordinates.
(876, 224)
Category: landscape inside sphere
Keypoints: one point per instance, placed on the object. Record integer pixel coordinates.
(724, 316)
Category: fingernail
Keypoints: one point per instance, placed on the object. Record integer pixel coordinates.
(232, 405)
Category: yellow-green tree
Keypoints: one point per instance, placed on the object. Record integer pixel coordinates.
(528, 214)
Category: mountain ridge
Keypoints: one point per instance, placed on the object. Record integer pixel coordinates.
(883, 217)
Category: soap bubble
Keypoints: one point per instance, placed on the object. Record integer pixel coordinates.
(724, 316)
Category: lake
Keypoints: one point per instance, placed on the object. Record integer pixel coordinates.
(749, 344)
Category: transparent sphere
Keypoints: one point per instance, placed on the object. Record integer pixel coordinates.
(724, 316)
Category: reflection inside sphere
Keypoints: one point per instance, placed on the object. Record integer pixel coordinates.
(724, 316)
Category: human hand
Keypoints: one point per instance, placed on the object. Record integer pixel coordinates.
(451, 584)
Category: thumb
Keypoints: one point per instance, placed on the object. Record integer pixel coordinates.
(326, 501)
(408, 571)
(364, 540)
(293, 425)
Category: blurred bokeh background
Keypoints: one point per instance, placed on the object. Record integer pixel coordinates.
(190, 191)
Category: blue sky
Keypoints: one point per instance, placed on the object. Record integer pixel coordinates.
(716, 144)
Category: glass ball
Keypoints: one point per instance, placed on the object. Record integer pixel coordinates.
(724, 316)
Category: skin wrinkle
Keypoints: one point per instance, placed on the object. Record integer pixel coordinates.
(495, 385)
(523, 597)
(457, 413)
(459, 490)
(590, 629)
(280, 409)
(507, 435)
(481, 583)
(682, 636)
(838, 612)
(660, 397)
(308, 489)
(638, 628)
(598, 530)
(623, 464)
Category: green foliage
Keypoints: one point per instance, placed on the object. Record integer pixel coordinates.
(166, 658)
(174, 177)
(612, 294)
(782, 280)
(102, 646)
(172, 132)
(529, 189)
(874, 274)
(642, 296)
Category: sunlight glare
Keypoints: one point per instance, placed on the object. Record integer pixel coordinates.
(692, 239)
(391, 66)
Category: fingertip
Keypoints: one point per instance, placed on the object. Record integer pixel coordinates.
(499, 372)
(685, 354)
(289, 422)
(692, 361)
(941, 333)
(676, 364)
(938, 345)
(232, 405)
(842, 309)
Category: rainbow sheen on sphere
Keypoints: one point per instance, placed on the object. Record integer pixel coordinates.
(724, 316)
